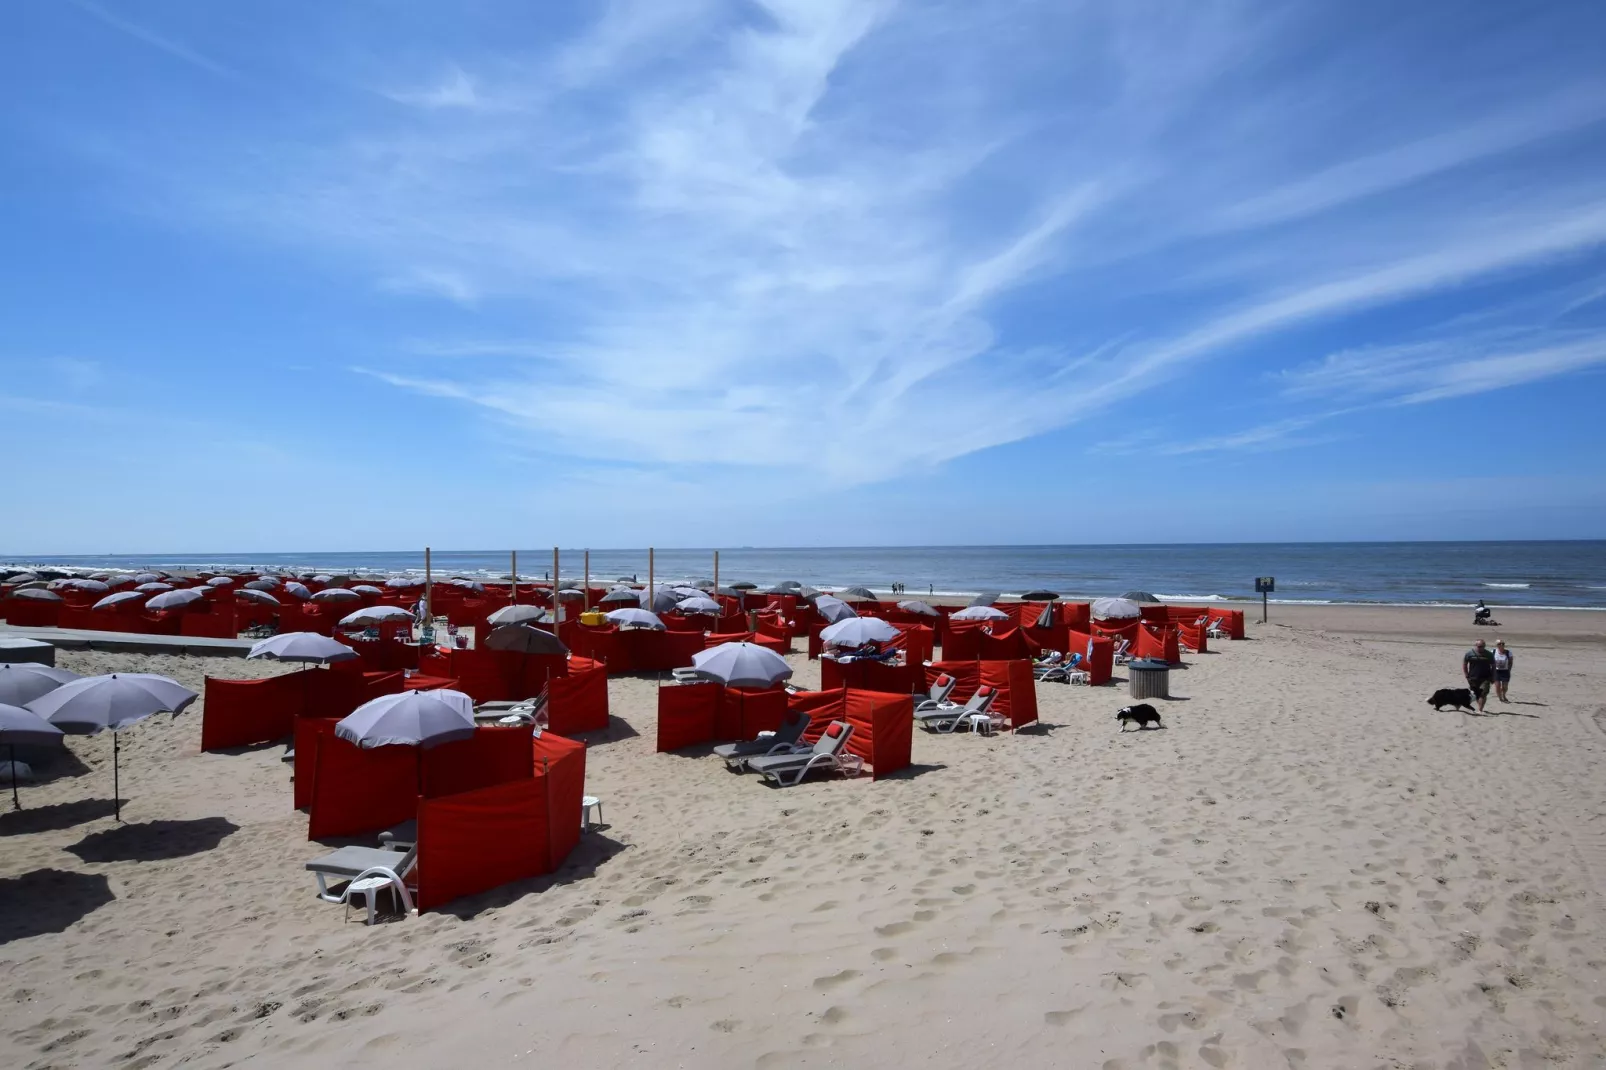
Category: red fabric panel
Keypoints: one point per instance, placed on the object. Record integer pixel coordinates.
(695, 623)
(218, 624)
(420, 682)
(823, 707)
(493, 755)
(1098, 655)
(966, 674)
(872, 676)
(1193, 637)
(308, 730)
(714, 639)
(30, 613)
(1021, 688)
(356, 790)
(1117, 629)
(562, 764)
(962, 641)
(578, 702)
(1231, 621)
(891, 724)
(481, 840)
(743, 714)
(778, 643)
(1158, 642)
(236, 713)
(686, 714)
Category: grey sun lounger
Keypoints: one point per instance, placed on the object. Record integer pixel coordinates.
(355, 863)
(784, 741)
(948, 717)
(940, 690)
(788, 769)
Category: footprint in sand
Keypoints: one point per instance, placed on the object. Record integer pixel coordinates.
(835, 979)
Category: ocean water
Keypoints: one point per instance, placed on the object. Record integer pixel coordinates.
(1568, 575)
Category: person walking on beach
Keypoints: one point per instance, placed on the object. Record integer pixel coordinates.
(1502, 659)
(1477, 665)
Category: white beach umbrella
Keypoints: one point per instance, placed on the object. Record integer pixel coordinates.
(76, 584)
(523, 639)
(147, 577)
(917, 606)
(1115, 609)
(980, 613)
(298, 590)
(154, 587)
(742, 665)
(336, 595)
(622, 596)
(856, 631)
(636, 618)
(411, 718)
(374, 615)
(400, 583)
(220, 581)
(263, 584)
(251, 594)
(833, 609)
(96, 703)
(366, 588)
(175, 599)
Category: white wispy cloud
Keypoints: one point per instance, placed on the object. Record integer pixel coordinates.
(153, 39)
(1441, 369)
(795, 236)
(455, 90)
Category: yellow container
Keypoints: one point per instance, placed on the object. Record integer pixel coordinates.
(593, 617)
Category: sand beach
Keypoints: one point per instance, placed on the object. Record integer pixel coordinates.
(1309, 867)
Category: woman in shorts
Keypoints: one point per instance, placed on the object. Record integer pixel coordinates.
(1502, 669)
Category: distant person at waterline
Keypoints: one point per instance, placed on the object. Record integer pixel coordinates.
(1503, 661)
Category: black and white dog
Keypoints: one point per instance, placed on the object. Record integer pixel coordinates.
(1141, 715)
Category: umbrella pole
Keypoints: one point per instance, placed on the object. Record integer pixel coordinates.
(16, 803)
(587, 588)
(117, 786)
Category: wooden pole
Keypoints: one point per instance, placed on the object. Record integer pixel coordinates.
(587, 602)
(513, 567)
(716, 582)
(649, 578)
(557, 606)
(429, 589)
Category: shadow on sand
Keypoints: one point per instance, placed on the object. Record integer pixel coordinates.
(48, 901)
(152, 840)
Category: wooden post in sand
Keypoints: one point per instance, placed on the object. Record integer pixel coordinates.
(649, 579)
(513, 569)
(716, 582)
(587, 587)
(557, 606)
(429, 592)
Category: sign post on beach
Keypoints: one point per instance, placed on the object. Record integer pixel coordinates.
(429, 590)
(513, 567)
(586, 590)
(557, 606)
(649, 577)
(1264, 585)
(716, 583)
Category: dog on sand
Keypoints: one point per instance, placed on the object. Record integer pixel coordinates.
(1458, 697)
(1141, 715)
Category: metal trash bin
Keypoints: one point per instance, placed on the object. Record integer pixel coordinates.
(1147, 678)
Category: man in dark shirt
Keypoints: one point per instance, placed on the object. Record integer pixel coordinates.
(1477, 665)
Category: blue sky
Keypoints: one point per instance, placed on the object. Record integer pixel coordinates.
(681, 272)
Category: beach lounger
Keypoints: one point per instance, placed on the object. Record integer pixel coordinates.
(940, 690)
(788, 769)
(950, 715)
(782, 741)
(1123, 648)
(368, 870)
(689, 675)
(1053, 664)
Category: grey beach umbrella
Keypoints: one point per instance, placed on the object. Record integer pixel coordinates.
(636, 618)
(986, 598)
(176, 599)
(374, 615)
(302, 646)
(24, 681)
(336, 595)
(1039, 596)
(833, 609)
(411, 718)
(858, 594)
(263, 598)
(916, 606)
(980, 613)
(298, 591)
(121, 598)
(620, 597)
(94, 704)
(1115, 609)
(516, 615)
(18, 725)
(37, 594)
(523, 639)
(1140, 596)
(742, 665)
(856, 631)
(698, 604)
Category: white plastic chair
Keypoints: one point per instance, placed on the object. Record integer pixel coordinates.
(370, 884)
